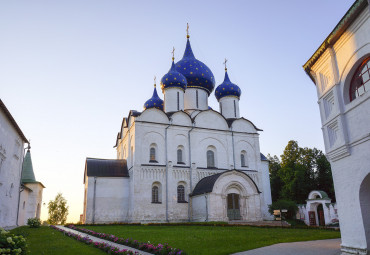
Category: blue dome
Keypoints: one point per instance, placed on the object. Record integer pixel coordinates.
(227, 88)
(197, 74)
(173, 79)
(154, 102)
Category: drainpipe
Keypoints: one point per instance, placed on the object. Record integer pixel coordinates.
(20, 185)
(232, 135)
(93, 216)
(166, 170)
(191, 172)
(206, 196)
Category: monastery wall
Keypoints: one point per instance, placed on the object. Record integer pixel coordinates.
(11, 158)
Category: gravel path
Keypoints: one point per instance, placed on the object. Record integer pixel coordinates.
(96, 239)
(319, 247)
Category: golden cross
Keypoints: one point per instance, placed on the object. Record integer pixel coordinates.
(155, 80)
(225, 64)
(187, 30)
(173, 53)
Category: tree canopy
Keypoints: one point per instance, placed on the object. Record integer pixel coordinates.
(300, 171)
(58, 210)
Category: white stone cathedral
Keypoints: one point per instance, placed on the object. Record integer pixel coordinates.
(179, 160)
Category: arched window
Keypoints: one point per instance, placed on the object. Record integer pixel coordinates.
(179, 156)
(155, 191)
(243, 159)
(180, 194)
(152, 154)
(361, 80)
(24, 204)
(210, 159)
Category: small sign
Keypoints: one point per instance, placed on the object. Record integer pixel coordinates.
(284, 210)
(278, 218)
(276, 212)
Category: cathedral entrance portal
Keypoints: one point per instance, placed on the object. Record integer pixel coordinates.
(233, 207)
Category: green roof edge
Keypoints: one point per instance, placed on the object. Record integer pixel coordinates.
(332, 38)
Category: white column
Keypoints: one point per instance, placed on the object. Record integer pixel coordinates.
(173, 100)
(229, 107)
(196, 99)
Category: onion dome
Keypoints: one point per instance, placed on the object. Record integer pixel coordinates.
(197, 74)
(154, 101)
(173, 79)
(227, 88)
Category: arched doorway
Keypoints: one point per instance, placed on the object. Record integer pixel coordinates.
(320, 215)
(233, 206)
(365, 207)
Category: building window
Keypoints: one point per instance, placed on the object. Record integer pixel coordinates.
(243, 159)
(24, 204)
(178, 100)
(210, 159)
(361, 80)
(234, 109)
(155, 191)
(152, 154)
(179, 156)
(196, 97)
(181, 194)
(221, 107)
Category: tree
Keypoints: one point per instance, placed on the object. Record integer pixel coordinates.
(275, 181)
(58, 210)
(300, 171)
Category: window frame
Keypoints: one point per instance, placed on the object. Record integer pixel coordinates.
(156, 194)
(210, 162)
(357, 76)
(181, 193)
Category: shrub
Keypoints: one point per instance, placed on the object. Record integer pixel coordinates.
(34, 222)
(284, 204)
(12, 244)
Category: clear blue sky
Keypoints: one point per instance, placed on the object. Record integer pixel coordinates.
(71, 70)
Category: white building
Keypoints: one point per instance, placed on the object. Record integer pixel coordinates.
(31, 192)
(18, 191)
(180, 160)
(340, 69)
(319, 210)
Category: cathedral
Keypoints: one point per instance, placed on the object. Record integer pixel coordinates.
(180, 160)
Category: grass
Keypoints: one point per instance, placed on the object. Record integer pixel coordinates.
(45, 240)
(215, 240)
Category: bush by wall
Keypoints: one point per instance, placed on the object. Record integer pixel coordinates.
(34, 222)
(12, 244)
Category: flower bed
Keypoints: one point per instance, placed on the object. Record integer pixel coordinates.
(160, 249)
(100, 245)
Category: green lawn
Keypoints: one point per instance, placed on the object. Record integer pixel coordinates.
(215, 240)
(48, 241)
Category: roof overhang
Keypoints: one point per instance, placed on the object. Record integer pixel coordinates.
(337, 32)
(12, 121)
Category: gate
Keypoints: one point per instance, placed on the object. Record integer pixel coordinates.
(312, 217)
(233, 208)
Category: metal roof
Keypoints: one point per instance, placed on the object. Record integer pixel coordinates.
(11, 119)
(206, 184)
(27, 170)
(263, 158)
(106, 167)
